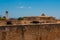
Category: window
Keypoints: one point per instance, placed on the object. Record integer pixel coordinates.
(9, 23)
(35, 22)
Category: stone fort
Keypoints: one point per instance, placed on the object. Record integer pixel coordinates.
(30, 28)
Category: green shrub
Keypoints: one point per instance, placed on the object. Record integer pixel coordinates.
(20, 18)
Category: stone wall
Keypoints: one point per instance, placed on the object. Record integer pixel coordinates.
(30, 32)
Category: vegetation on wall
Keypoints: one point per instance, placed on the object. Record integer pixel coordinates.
(2, 18)
(20, 18)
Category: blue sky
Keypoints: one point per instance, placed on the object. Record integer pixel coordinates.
(20, 8)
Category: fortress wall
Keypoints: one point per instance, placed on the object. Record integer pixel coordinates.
(2, 23)
(19, 22)
(30, 32)
(43, 32)
(58, 21)
(0, 33)
(13, 33)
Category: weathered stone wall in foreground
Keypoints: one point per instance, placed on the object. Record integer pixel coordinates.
(30, 32)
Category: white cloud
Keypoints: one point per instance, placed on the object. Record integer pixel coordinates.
(25, 7)
(21, 7)
(29, 7)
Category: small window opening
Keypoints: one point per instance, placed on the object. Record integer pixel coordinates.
(35, 22)
(9, 23)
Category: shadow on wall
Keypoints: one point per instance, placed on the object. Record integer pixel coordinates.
(35, 22)
(9, 23)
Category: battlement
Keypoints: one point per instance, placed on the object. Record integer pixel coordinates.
(30, 20)
(30, 28)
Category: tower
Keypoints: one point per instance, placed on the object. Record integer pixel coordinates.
(6, 15)
(43, 14)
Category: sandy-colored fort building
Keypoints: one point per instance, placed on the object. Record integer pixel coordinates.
(30, 28)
